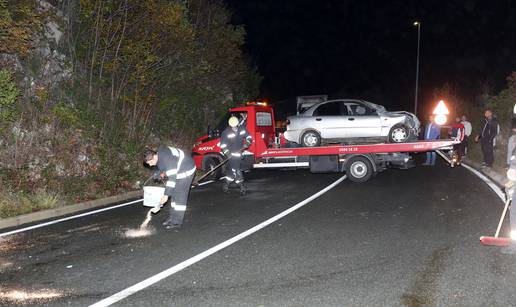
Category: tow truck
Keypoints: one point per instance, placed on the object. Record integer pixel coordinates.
(270, 150)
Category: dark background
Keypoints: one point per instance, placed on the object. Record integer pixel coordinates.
(367, 49)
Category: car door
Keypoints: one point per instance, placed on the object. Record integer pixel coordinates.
(363, 121)
(330, 119)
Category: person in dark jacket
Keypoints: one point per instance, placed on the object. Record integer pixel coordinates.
(179, 170)
(432, 132)
(233, 141)
(487, 136)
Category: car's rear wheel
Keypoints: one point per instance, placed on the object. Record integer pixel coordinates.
(399, 134)
(359, 169)
(311, 138)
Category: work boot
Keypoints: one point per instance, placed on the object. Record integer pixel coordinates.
(243, 189)
(225, 187)
(169, 224)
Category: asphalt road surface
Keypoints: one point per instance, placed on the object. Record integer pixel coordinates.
(407, 237)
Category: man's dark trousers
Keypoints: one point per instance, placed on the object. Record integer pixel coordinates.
(488, 151)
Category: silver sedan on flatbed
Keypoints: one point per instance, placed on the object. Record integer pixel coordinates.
(350, 121)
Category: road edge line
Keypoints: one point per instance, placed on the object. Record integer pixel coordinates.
(182, 265)
(15, 231)
(487, 181)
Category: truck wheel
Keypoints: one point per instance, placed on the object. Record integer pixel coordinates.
(311, 138)
(399, 134)
(359, 169)
(209, 164)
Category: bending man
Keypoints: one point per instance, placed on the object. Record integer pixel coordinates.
(179, 169)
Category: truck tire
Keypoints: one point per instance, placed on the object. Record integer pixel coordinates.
(359, 169)
(210, 162)
(399, 134)
(311, 138)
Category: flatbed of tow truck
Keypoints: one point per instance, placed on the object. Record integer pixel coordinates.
(359, 162)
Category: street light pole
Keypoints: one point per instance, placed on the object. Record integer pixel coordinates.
(418, 25)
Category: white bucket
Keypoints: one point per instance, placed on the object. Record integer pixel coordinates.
(152, 196)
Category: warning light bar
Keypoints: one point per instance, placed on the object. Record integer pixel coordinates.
(256, 103)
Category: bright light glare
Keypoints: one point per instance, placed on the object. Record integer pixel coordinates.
(440, 119)
(138, 233)
(416, 23)
(513, 234)
(24, 296)
(441, 109)
(514, 109)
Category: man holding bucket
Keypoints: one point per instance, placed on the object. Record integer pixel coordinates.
(179, 169)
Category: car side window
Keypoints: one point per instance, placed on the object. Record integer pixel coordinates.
(358, 109)
(334, 108)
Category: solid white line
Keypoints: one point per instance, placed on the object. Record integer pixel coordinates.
(178, 267)
(488, 181)
(280, 164)
(77, 216)
(67, 218)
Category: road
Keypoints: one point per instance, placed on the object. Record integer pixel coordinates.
(407, 237)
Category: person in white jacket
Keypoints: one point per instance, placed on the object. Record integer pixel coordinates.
(468, 129)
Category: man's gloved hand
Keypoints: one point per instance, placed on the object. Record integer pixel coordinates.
(226, 152)
(156, 176)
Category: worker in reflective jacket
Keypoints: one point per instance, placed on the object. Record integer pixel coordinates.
(179, 170)
(510, 188)
(233, 141)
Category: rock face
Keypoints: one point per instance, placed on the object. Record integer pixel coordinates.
(36, 146)
(45, 67)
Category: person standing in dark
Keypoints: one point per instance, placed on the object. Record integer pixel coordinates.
(432, 132)
(487, 136)
(455, 133)
(467, 133)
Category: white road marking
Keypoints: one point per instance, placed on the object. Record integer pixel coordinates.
(68, 218)
(178, 267)
(77, 216)
(488, 181)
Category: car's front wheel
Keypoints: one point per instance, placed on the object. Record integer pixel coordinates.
(399, 134)
(311, 138)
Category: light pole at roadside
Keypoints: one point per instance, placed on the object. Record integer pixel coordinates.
(418, 25)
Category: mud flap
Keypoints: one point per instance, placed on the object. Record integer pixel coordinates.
(324, 164)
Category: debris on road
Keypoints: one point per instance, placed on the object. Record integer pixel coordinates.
(144, 229)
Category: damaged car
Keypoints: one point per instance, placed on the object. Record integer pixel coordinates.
(350, 121)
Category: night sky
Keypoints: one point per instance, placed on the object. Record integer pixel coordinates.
(367, 49)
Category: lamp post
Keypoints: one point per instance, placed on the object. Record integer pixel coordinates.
(418, 25)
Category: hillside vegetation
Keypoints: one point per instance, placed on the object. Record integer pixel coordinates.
(86, 84)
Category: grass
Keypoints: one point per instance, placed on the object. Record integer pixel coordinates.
(499, 165)
(13, 204)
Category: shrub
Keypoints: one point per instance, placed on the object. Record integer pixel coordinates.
(9, 93)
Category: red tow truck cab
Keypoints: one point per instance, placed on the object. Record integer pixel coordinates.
(270, 150)
(259, 121)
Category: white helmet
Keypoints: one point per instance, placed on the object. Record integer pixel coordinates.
(233, 121)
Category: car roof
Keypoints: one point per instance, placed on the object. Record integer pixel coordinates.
(334, 100)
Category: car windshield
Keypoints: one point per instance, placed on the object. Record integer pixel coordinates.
(377, 107)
